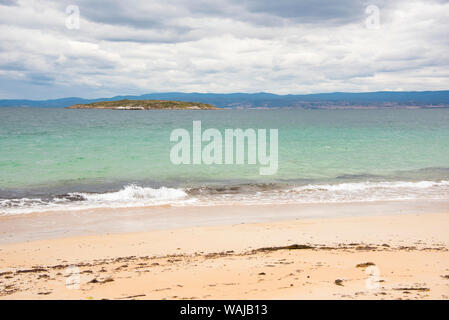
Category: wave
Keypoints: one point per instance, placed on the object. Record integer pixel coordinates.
(133, 193)
(373, 185)
(129, 196)
(272, 193)
(372, 191)
(326, 193)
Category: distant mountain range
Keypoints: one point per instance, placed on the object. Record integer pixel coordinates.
(381, 99)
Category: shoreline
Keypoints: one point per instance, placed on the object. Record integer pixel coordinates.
(404, 256)
(101, 221)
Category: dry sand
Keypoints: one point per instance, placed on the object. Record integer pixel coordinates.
(376, 257)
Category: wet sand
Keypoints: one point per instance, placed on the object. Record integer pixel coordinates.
(390, 256)
(63, 224)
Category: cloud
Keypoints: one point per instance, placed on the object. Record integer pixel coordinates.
(310, 11)
(8, 2)
(279, 46)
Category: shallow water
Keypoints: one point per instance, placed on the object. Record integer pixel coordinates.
(72, 159)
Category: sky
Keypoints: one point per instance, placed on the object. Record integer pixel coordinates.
(221, 46)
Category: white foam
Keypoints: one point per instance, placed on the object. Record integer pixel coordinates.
(136, 196)
(360, 186)
(371, 191)
(129, 196)
(133, 193)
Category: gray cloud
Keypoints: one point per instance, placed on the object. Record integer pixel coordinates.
(8, 2)
(310, 11)
(279, 46)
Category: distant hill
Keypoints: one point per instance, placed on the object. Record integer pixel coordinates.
(126, 104)
(382, 99)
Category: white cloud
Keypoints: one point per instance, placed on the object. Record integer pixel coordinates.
(224, 46)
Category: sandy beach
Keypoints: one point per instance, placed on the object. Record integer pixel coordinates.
(373, 256)
(244, 151)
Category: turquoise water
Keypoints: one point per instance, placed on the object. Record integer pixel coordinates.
(46, 154)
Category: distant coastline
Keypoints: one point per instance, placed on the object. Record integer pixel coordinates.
(263, 100)
(126, 104)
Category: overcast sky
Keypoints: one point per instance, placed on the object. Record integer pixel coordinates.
(135, 47)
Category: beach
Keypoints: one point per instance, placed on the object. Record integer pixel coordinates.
(93, 207)
(401, 253)
(225, 153)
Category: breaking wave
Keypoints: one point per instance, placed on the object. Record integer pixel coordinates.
(138, 196)
(129, 196)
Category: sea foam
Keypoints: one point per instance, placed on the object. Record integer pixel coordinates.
(129, 196)
(138, 196)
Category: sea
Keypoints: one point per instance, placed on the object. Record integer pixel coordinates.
(61, 159)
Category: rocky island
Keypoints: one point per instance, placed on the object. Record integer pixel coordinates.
(145, 105)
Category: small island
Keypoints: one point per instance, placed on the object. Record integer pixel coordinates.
(145, 105)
